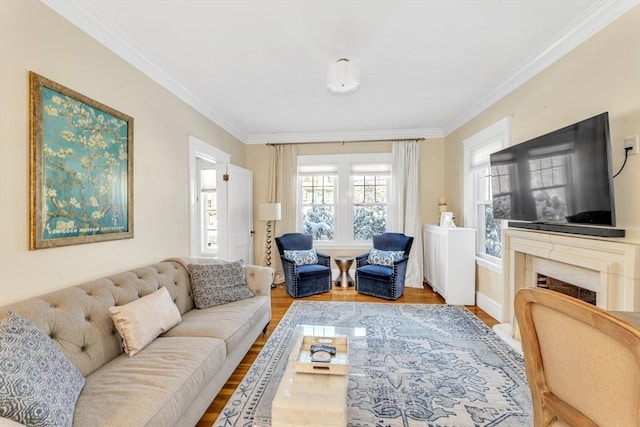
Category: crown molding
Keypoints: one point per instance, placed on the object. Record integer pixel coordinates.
(589, 23)
(90, 20)
(347, 136)
(93, 22)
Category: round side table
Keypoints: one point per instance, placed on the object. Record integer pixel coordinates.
(344, 280)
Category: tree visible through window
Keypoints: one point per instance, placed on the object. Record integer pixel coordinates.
(492, 233)
(489, 241)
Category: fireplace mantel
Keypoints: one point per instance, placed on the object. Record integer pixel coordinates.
(610, 267)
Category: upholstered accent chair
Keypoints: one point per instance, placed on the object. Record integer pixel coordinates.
(381, 271)
(582, 362)
(306, 272)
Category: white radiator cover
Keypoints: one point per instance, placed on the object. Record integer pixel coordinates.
(449, 263)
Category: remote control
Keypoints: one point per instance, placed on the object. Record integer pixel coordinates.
(323, 347)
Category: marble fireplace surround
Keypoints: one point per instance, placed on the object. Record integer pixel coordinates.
(608, 266)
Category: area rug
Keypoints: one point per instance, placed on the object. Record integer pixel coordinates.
(420, 365)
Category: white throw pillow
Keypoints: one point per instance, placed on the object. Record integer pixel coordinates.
(142, 320)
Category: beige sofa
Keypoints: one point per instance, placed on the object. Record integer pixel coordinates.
(172, 381)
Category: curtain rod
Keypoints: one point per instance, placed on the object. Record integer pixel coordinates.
(352, 141)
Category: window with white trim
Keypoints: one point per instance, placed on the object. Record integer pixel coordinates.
(343, 199)
(478, 191)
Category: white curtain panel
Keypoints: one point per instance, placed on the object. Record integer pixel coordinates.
(404, 206)
(283, 184)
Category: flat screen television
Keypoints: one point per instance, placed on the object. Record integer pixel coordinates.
(563, 177)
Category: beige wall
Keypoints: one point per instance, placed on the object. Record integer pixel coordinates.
(602, 74)
(32, 37)
(431, 179)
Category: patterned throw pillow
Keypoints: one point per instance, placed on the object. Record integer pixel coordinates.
(302, 257)
(39, 385)
(216, 284)
(385, 258)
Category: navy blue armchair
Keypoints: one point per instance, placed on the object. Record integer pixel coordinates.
(381, 272)
(306, 272)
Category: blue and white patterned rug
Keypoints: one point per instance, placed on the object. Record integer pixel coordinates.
(423, 365)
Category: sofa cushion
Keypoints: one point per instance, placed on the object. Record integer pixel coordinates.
(142, 320)
(216, 284)
(229, 322)
(376, 271)
(153, 388)
(312, 270)
(38, 386)
(302, 257)
(386, 258)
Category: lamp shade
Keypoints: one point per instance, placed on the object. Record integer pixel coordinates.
(269, 211)
(343, 77)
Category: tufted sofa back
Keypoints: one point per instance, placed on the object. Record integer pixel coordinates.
(77, 318)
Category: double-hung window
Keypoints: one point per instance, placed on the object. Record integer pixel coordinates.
(342, 199)
(478, 191)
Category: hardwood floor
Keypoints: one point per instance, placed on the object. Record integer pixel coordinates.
(280, 302)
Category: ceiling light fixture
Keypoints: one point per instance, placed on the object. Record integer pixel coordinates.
(343, 77)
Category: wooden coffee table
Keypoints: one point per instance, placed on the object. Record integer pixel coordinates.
(312, 399)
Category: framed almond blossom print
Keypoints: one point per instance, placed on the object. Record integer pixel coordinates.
(81, 168)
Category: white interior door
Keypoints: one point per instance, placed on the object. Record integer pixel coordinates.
(240, 213)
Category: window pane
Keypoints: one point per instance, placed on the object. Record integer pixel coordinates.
(381, 193)
(318, 222)
(358, 194)
(307, 196)
(318, 210)
(370, 206)
(369, 221)
(328, 196)
(370, 194)
(492, 233)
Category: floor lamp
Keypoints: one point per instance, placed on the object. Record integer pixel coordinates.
(269, 212)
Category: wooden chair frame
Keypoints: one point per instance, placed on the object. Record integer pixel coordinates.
(548, 407)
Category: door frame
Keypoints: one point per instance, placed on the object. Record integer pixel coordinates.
(200, 149)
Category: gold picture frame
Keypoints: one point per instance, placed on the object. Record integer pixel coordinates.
(81, 168)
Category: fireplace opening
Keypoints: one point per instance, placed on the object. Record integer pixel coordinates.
(566, 288)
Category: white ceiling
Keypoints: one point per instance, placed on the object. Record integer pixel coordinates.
(258, 67)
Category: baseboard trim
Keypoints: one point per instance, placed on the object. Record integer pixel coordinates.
(505, 332)
(490, 306)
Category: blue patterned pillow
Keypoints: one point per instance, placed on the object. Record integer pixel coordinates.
(38, 386)
(217, 284)
(385, 258)
(302, 257)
